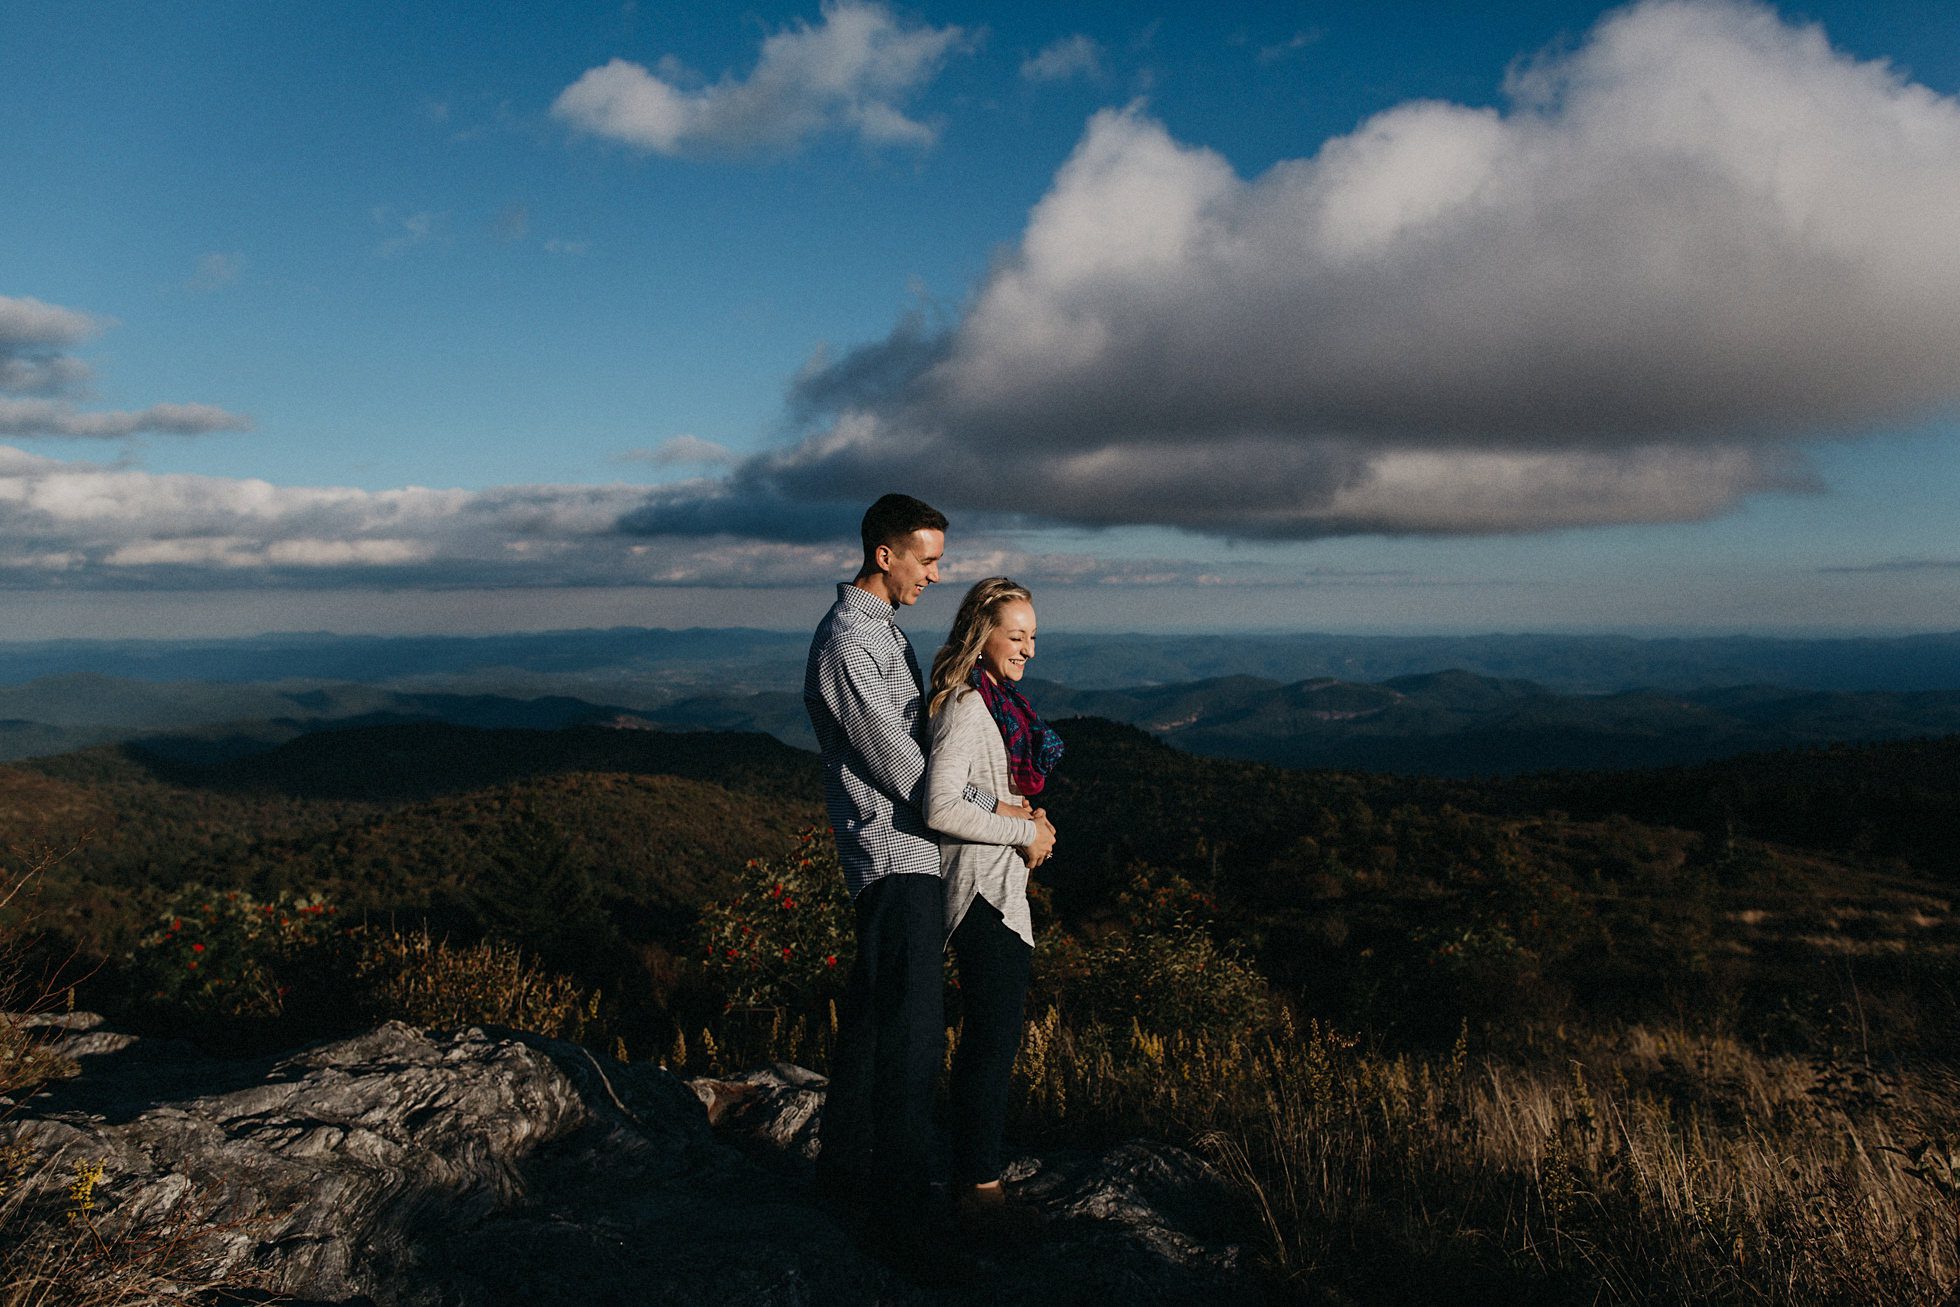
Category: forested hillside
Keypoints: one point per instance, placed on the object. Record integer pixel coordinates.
(1405, 904)
(575, 841)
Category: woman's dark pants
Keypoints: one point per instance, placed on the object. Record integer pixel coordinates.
(891, 1035)
(994, 967)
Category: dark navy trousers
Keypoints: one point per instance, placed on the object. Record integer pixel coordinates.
(891, 1036)
(995, 965)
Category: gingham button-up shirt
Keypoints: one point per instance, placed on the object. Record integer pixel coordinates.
(866, 703)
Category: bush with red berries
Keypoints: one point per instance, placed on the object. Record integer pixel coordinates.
(784, 939)
(224, 953)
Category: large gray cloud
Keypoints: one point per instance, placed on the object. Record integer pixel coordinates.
(39, 380)
(850, 73)
(1685, 248)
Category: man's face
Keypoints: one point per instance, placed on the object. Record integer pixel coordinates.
(912, 564)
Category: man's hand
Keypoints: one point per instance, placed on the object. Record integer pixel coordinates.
(1023, 809)
(1044, 840)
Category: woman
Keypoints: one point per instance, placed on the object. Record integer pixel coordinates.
(986, 735)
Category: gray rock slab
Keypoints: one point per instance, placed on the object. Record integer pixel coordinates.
(406, 1168)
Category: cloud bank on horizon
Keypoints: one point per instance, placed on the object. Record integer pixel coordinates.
(65, 522)
(1691, 245)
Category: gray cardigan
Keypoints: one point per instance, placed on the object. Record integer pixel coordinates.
(977, 848)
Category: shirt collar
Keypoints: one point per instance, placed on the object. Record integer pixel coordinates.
(865, 603)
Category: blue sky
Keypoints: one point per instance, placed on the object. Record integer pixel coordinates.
(1389, 317)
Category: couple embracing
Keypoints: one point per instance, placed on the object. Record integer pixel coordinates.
(927, 789)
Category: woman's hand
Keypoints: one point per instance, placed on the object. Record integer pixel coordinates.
(1044, 841)
(1023, 809)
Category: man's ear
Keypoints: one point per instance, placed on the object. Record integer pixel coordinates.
(883, 556)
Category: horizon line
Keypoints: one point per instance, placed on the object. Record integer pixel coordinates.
(1805, 635)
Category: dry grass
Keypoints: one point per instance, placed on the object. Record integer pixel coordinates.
(415, 977)
(64, 1249)
(744, 1038)
(1640, 1164)
(25, 1060)
(1648, 1167)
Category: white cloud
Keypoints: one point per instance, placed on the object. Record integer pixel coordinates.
(28, 324)
(680, 451)
(1071, 56)
(33, 365)
(216, 270)
(1690, 245)
(240, 552)
(848, 74)
(406, 230)
(46, 417)
(1290, 46)
(33, 336)
(53, 374)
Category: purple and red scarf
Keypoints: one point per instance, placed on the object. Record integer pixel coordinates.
(1032, 748)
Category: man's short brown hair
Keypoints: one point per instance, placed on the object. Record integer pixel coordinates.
(892, 519)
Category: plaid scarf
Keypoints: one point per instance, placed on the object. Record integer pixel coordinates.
(1032, 749)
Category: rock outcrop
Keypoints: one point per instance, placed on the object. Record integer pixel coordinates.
(489, 1166)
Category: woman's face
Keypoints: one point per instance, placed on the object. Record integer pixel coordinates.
(1008, 649)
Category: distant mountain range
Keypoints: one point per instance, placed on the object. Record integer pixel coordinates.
(211, 722)
(1456, 724)
(646, 667)
(621, 655)
(1450, 723)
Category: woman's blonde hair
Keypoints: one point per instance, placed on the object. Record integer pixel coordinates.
(978, 616)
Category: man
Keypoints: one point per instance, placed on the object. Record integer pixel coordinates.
(865, 698)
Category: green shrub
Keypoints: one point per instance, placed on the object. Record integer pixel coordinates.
(1176, 978)
(224, 954)
(1161, 968)
(786, 938)
(1158, 899)
(236, 968)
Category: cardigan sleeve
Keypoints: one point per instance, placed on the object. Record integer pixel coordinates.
(959, 747)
